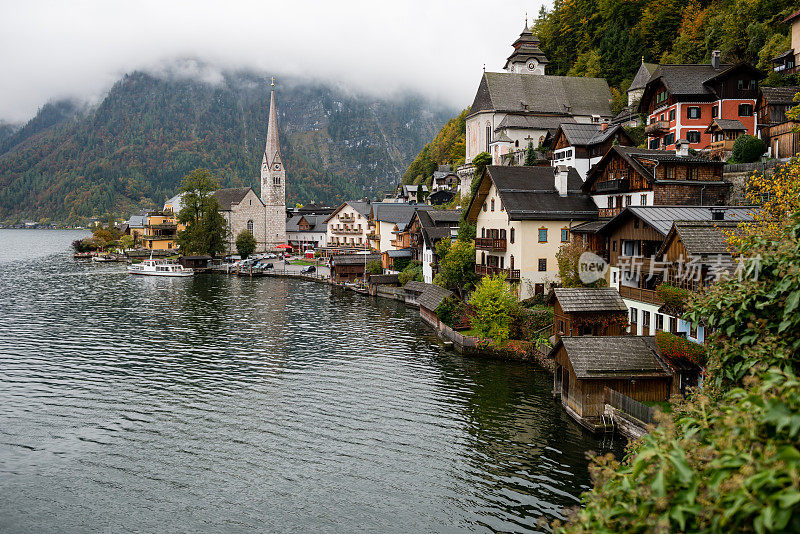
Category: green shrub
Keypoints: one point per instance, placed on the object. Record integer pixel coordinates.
(374, 267)
(525, 322)
(679, 348)
(245, 243)
(413, 271)
(494, 303)
(447, 311)
(747, 149)
(675, 298)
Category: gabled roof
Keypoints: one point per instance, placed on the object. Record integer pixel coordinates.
(643, 75)
(432, 296)
(316, 223)
(700, 238)
(635, 156)
(662, 217)
(228, 197)
(415, 286)
(598, 357)
(137, 221)
(779, 95)
(176, 202)
(585, 299)
(395, 212)
(399, 253)
(360, 206)
(529, 193)
(590, 134)
(734, 125)
(533, 93)
(526, 47)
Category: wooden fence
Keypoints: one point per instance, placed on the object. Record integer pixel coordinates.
(628, 405)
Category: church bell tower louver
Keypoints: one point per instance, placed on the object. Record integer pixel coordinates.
(273, 181)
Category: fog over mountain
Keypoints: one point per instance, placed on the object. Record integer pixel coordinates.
(78, 50)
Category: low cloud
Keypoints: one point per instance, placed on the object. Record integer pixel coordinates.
(79, 49)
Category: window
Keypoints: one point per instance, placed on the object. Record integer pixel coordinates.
(669, 139)
(634, 316)
(610, 202)
(653, 144)
(492, 204)
(693, 136)
(250, 226)
(511, 235)
(745, 110)
(661, 117)
(693, 112)
(542, 264)
(564, 235)
(511, 262)
(636, 223)
(693, 330)
(276, 180)
(484, 206)
(614, 246)
(502, 207)
(714, 112)
(652, 120)
(628, 200)
(516, 143)
(691, 173)
(669, 172)
(488, 136)
(745, 85)
(646, 319)
(672, 114)
(483, 232)
(542, 235)
(672, 324)
(659, 322)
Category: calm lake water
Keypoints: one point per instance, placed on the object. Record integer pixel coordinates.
(219, 404)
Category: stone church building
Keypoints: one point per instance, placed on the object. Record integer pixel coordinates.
(265, 215)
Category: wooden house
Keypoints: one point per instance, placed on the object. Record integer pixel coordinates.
(350, 267)
(583, 311)
(774, 127)
(724, 133)
(582, 145)
(429, 300)
(585, 366)
(630, 176)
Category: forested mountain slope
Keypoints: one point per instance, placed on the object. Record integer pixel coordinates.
(132, 149)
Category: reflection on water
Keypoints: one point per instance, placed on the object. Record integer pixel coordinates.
(230, 404)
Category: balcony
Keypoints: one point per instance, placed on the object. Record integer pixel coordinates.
(356, 231)
(612, 186)
(346, 218)
(609, 212)
(512, 275)
(488, 243)
(657, 128)
(642, 295)
(725, 145)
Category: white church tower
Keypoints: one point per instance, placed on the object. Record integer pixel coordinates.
(273, 181)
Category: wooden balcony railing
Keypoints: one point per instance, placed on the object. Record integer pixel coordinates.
(611, 186)
(488, 243)
(346, 218)
(609, 212)
(643, 295)
(488, 270)
(657, 128)
(726, 145)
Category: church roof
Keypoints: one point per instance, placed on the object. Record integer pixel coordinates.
(642, 76)
(228, 197)
(273, 147)
(526, 47)
(540, 94)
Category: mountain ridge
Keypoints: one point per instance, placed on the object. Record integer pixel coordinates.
(130, 150)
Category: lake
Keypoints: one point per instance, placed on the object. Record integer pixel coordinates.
(225, 404)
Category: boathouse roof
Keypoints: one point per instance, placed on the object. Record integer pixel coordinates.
(586, 299)
(598, 357)
(432, 296)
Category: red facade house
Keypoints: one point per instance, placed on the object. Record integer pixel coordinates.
(681, 101)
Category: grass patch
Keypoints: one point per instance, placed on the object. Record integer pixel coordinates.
(664, 406)
(302, 262)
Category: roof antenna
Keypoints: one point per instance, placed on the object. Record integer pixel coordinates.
(526, 20)
(484, 67)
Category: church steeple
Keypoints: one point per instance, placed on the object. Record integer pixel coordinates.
(527, 56)
(273, 179)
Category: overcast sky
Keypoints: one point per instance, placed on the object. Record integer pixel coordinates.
(79, 48)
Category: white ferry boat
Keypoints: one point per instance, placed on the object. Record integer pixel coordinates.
(159, 268)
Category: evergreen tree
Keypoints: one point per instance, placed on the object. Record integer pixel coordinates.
(530, 155)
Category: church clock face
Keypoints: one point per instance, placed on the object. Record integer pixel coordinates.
(531, 65)
(276, 167)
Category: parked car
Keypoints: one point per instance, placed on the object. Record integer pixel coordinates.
(267, 266)
(308, 269)
(270, 256)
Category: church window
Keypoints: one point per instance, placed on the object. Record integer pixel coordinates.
(492, 204)
(276, 180)
(488, 136)
(250, 226)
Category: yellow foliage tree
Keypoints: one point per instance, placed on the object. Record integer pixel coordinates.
(777, 197)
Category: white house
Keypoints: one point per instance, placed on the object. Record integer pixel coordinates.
(523, 215)
(307, 231)
(348, 226)
(388, 220)
(581, 146)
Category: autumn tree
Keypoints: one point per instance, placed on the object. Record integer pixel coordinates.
(456, 266)
(568, 259)
(206, 229)
(494, 303)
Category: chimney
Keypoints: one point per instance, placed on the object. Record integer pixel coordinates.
(604, 126)
(561, 173)
(715, 59)
(718, 214)
(682, 148)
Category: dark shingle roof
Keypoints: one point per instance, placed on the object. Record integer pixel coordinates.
(584, 299)
(354, 259)
(534, 122)
(613, 356)
(386, 279)
(701, 238)
(529, 193)
(415, 286)
(780, 95)
(589, 227)
(228, 197)
(587, 134)
(432, 296)
(571, 95)
(399, 253)
(727, 124)
(316, 223)
(688, 79)
(642, 75)
(395, 212)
